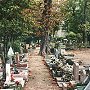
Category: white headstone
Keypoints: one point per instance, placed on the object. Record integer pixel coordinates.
(83, 76)
(8, 74)
(10, 54)
(56, 53)
(62, 51)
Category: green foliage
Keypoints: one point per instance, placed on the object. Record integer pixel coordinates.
(87, 26)
(16, 46)
(12, 22)
(77, 18)
(71, 36)
(73, 15)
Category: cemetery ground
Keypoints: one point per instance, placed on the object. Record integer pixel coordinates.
(40, 77)
(82, 55)
(46, 74)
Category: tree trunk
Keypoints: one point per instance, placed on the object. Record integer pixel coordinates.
(42, 46)
(46, 26)
(5, 56)
(84, 22)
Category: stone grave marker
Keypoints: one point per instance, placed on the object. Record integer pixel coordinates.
(8, 74)
(17, 57)
(82, 76)
(76, 71)
(64, 86)
(10, 54)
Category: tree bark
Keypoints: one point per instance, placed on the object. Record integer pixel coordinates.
(42, 46)
(46, 26)
(84, 22)
(5, 49)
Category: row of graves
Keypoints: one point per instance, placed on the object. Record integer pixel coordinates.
(69, 74)
(17, 71)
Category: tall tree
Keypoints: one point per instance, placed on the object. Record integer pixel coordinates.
(46, 25)
(44, 16)
(77, 14)
(11, 22)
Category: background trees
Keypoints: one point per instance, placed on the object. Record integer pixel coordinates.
(41, 18)
(77, 16)
(44, 17)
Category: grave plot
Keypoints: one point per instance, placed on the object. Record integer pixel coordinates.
(61, 69)
(69, 71)
(17, 73)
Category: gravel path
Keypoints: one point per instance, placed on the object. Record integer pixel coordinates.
(40, 78)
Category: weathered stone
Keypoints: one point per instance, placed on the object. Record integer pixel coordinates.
(64, 86)
(17, 57)
(76, 71)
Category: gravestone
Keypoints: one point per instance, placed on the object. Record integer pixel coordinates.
(17, 57)
(76, 71)
(10, 54)
(82, 76)
(8, 74)
(64, 86)
(21, 50)
(62, 49)
(56, 53)
(27, 45)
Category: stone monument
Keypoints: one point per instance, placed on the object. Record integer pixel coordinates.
(10, 55)
(76, 71)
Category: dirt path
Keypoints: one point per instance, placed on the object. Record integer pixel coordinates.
(40, 78)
